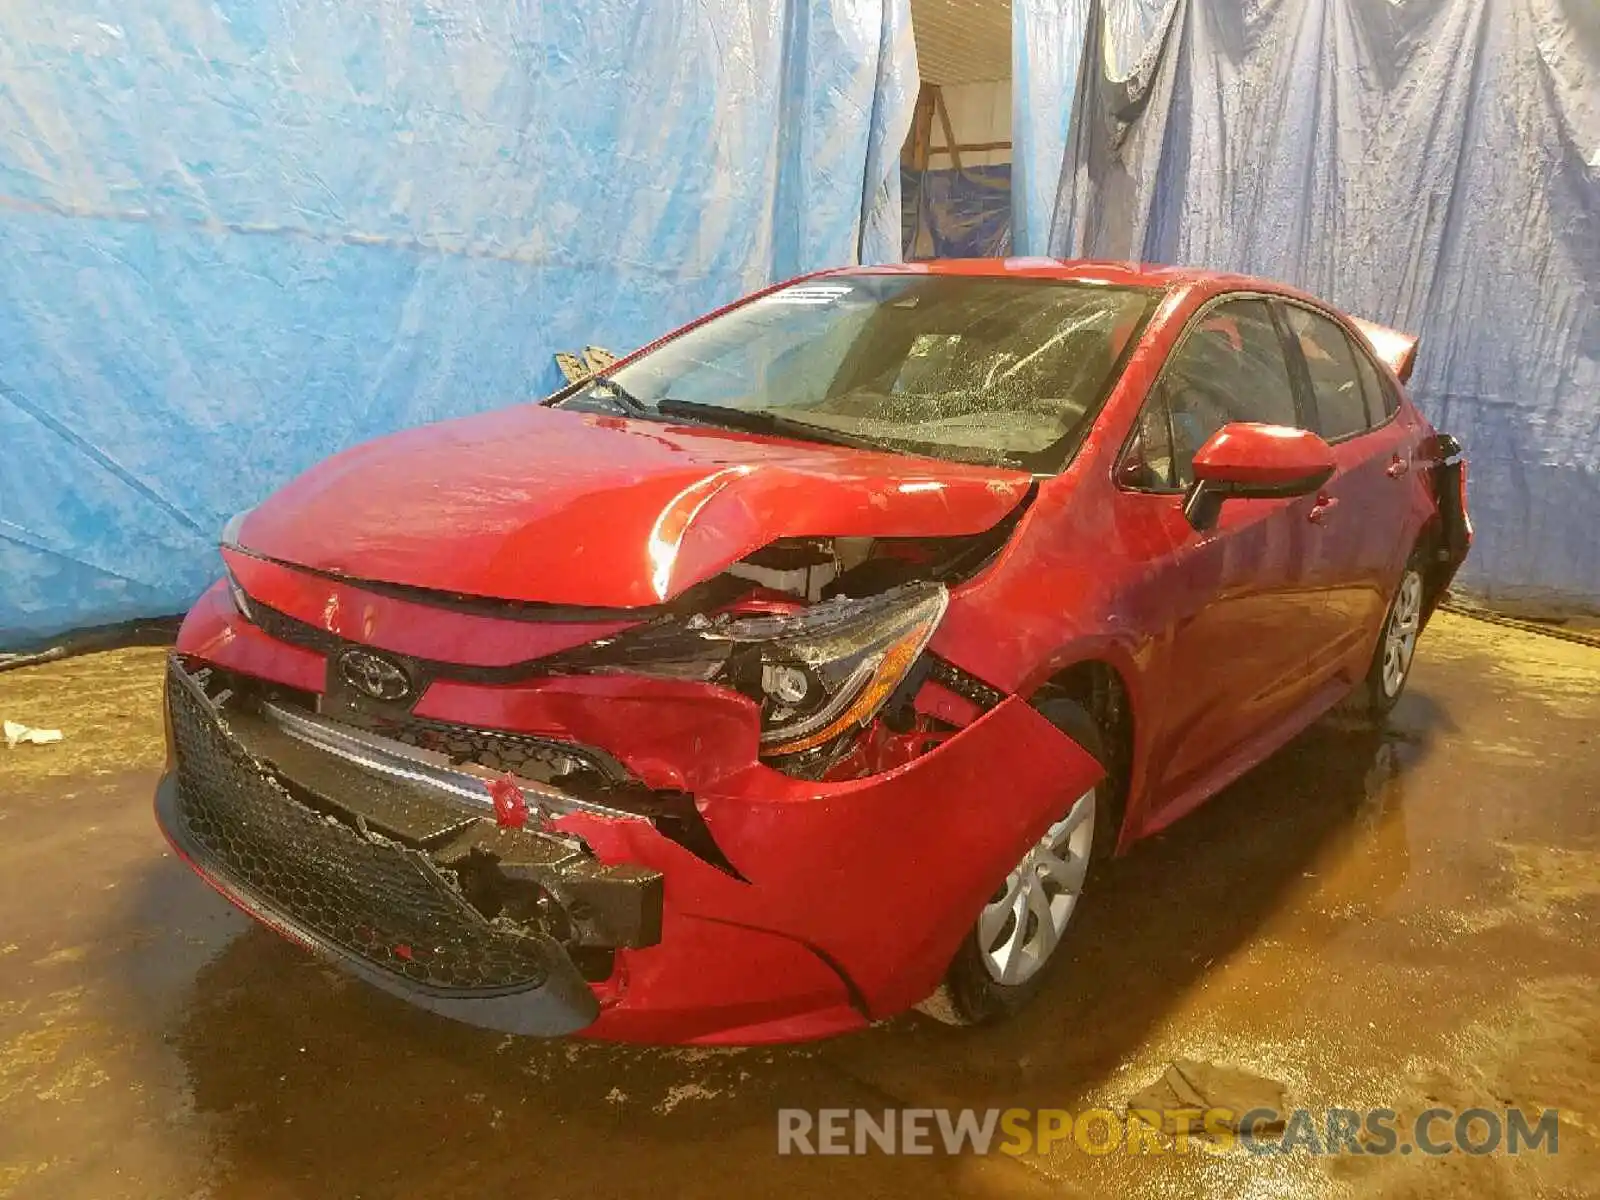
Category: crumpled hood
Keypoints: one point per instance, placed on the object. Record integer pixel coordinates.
(562, 507)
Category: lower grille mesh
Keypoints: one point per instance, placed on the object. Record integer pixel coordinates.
(372, 899)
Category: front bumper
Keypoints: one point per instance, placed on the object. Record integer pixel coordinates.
(377, 876)
(790, 909)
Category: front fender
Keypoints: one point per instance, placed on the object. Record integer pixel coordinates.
(881, 876)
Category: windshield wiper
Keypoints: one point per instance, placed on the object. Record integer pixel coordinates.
(599, 387)
(764, 420)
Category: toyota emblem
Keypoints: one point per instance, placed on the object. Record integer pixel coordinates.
(373, 675)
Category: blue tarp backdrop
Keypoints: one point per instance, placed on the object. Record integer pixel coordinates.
(966, 212)
(1432, 165)
(239, 235)
(1046, 51)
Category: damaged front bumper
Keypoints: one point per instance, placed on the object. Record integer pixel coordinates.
(789, 908)
(394, 866)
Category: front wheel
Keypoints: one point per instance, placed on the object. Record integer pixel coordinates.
(1001, 964)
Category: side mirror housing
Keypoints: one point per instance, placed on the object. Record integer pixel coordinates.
(1245, 461)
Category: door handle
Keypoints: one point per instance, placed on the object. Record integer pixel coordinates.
(1319, 511)
(1397, 467)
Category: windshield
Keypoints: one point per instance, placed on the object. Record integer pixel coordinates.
(988, 370)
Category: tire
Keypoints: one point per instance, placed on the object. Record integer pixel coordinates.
(1390, 669)
(973, 991)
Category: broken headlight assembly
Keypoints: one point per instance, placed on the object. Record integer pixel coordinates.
(818, 673)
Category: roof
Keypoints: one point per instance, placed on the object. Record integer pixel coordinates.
(1132, 274)
(1394, 347)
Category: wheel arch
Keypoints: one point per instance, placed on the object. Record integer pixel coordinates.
(1429, 552)
(1102, 688)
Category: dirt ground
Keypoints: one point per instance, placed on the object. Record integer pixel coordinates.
(1398, 919)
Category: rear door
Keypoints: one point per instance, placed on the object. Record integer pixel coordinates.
(1235, 598)
(1359, 518)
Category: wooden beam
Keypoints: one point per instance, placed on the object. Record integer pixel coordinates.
(925, 104)
(921, 129)
(944, 124)
(973, 148)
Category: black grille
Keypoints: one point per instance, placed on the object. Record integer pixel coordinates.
(577, 768)
(286, 629)
(361, 895)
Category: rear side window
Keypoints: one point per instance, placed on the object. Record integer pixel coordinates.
(1381, 404)
(1229, 367)
(1341, 400)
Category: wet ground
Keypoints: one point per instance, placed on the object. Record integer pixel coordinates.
(1399, 919)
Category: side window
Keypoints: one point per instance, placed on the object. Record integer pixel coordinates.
(1335, 377)
(1229, 367)
(1380, 396)
(1147, 463)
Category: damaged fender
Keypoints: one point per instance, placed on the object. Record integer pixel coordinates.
(882, 876)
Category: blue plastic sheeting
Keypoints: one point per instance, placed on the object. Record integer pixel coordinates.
(240, 235)
(965, 213)
(1434, 166)
(1046, 51)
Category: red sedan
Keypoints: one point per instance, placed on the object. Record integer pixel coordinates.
(800, 669)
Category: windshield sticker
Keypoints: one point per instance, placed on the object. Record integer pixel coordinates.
(810, 293)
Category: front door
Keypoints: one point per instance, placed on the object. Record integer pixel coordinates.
(1240, 613)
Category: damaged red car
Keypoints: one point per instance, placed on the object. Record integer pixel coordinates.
(800, 668)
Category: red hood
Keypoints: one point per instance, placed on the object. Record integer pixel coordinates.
(539, 504)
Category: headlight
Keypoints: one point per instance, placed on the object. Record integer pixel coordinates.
(817, 673)
(241, 601)
(230, 538)
(230, 531)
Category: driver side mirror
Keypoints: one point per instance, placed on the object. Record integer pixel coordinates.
(1246, 461)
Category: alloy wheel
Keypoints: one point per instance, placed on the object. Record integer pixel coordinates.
(1019, 929)
(1400, 635)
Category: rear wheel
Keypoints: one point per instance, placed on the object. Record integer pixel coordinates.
(1397, 645)
(1002, 963)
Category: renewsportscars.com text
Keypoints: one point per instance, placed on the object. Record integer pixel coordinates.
(1019, 1131)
